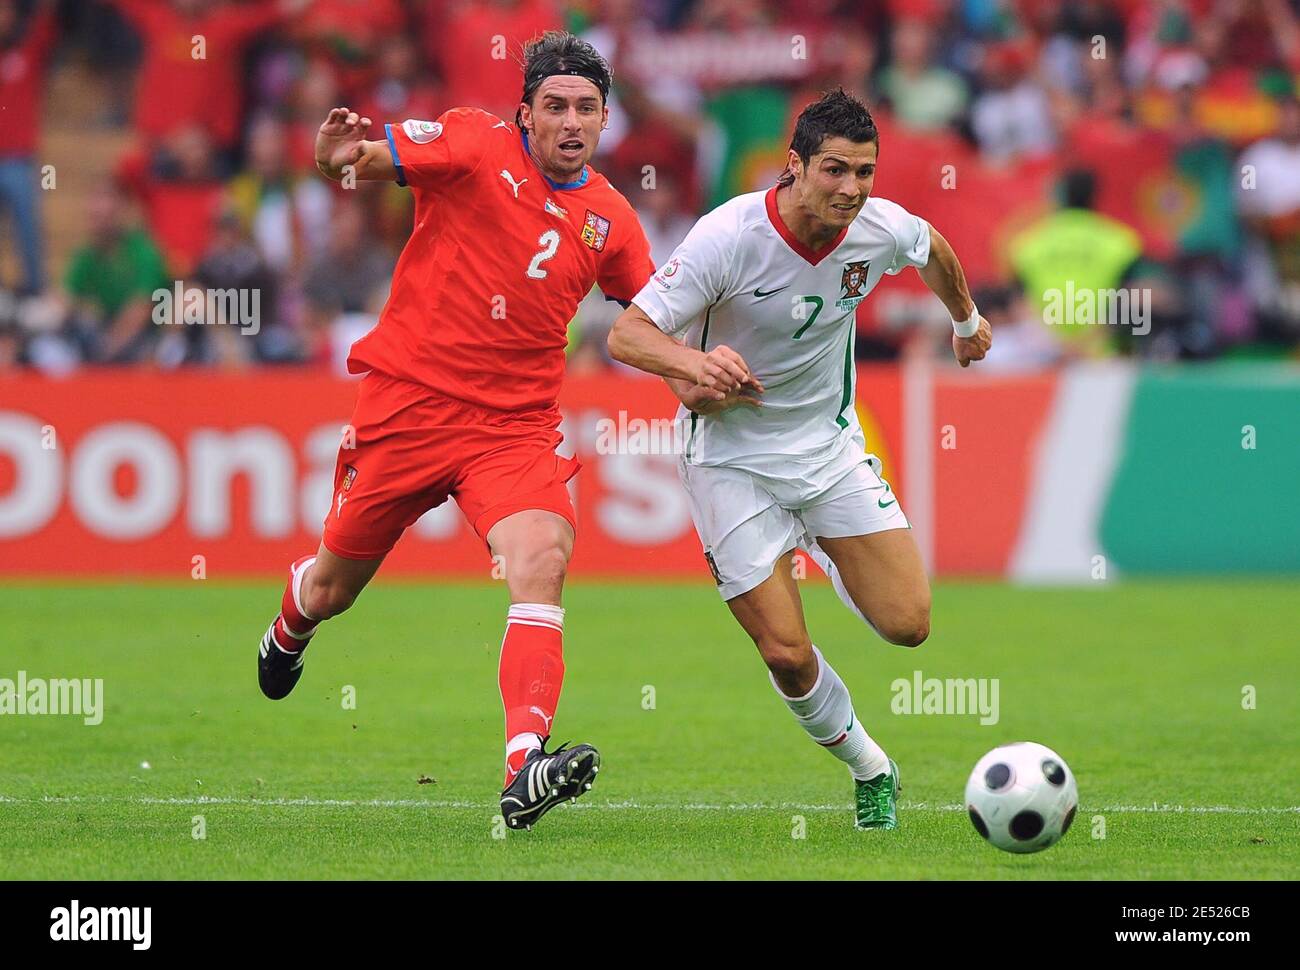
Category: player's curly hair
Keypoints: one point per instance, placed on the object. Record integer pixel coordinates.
(559, 52)
(836, 114)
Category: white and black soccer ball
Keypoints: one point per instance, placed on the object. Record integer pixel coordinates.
(1021, 796)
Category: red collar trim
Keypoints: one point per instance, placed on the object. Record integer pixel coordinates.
(812, 256)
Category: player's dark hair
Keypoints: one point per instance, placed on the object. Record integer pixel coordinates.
(836, 114)
(559, 52)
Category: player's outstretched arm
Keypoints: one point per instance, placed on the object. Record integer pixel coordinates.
(341, 142)
(635, 340)
(943, 275)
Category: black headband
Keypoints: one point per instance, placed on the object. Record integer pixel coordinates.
(551, 66)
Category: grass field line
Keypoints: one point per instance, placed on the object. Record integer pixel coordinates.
(627, 805)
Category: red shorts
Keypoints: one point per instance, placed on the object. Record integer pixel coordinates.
(414, 448)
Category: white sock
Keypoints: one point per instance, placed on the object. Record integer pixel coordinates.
(826, 713)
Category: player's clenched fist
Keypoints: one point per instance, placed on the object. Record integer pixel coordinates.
(722, 370)
(966, 349)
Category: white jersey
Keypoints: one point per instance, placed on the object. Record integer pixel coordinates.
(741, 278)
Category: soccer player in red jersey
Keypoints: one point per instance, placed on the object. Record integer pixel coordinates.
(512, 229)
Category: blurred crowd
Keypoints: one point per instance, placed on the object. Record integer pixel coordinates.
(1152, 144)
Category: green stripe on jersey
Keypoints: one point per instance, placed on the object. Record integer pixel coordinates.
(847, 397)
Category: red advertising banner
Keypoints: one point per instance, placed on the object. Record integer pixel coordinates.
(137, 474)
(986, 435)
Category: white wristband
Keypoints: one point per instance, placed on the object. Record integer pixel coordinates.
(968, 327)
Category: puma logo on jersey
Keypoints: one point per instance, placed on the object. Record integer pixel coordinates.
(511, 179)
(339, 512)
(501, 124)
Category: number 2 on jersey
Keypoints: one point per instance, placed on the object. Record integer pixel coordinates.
(549, 241)
(816, 302)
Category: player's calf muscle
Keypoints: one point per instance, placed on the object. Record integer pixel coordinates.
(324, 601)
(886, 579)
(331, 584)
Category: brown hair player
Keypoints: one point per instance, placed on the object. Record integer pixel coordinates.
(752, 321)
(512, 229)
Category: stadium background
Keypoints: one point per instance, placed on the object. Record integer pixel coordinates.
(130, 164)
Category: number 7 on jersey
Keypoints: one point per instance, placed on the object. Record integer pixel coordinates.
(799, 311)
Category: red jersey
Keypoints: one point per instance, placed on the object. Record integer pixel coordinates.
(22, 73)
(456, 36)
(174, 88)
(496, 265)
(180, 214)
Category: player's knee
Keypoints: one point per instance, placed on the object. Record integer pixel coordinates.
(791, 661)
(907, 629)
(324, 600)
(540, 567)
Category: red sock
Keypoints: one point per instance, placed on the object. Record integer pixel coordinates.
(531, 673)
(294, 628)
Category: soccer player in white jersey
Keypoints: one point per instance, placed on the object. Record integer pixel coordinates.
(752, 322)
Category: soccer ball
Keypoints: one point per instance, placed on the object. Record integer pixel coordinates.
(1021, 796)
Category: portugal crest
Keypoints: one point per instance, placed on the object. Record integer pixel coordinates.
(853, 282)
(854, 279)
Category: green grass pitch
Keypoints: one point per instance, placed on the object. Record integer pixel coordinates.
(1139, 686)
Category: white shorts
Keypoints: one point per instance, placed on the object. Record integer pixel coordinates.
(747, 521)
